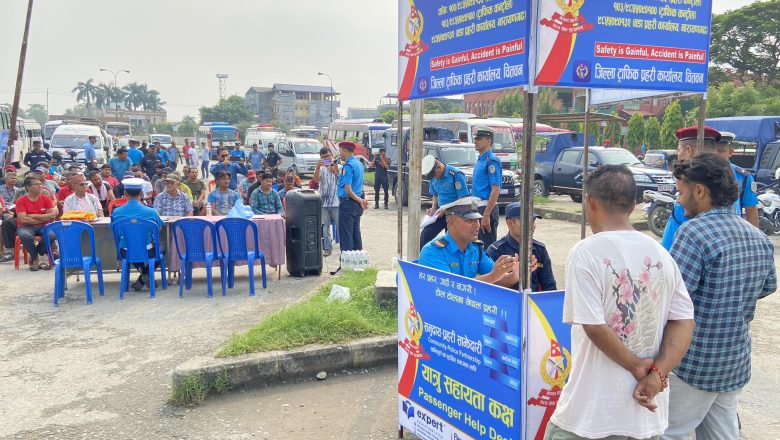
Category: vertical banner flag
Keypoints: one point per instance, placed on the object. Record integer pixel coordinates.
(644, 44)
(547, 359)
(453, 47)
(459, 356)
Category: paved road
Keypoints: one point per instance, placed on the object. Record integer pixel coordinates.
(103, 371)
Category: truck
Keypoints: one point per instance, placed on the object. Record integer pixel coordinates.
(753, 134)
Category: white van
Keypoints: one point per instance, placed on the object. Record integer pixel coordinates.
(301, 154)
(72, 137)
(261, 137)
(164, 139)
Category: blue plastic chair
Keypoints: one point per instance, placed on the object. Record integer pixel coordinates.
(235, 234)
(69, 234)
(193, 231)
(137, 252)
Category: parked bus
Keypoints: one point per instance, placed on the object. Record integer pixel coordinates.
(262, 135)
(118, 129)
(305, 131)
(212, 133)
(368, 133)
(33, 131)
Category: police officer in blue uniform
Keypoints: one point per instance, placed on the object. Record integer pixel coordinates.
(134, 209)
(542, 278)
(714, 142)
(447, 185)
(486, 183)
(351, 199)
(460, 252)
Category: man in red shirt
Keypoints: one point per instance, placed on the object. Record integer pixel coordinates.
(34, 211)
(105, 172)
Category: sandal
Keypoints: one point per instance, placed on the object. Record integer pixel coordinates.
(34, 268)
(45, 266)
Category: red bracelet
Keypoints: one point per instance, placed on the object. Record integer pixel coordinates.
(664, 377)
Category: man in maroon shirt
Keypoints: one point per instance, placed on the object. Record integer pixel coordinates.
(34, 211)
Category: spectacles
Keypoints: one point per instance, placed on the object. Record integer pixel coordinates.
(223, 155)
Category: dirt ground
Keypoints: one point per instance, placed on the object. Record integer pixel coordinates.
(103, 371)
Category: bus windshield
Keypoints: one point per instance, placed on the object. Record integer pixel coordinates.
(48, 130)
(71, 141)
(503, 140)
(307, 147)
(223, 135)
(162, 138)
(457, 156)
(377, 141)
(118, 129)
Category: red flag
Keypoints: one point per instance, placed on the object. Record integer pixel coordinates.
(555, 349)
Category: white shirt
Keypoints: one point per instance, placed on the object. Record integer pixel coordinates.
(627, 281)
(89, 203)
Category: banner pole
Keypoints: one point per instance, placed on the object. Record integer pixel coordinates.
(702, 114)
(399, 165)
(527, 192)
(415, 180)
(12, 131)
(585, 162)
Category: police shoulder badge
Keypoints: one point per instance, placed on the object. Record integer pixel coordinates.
(458, 185)
(442, 242)
(754, 186)
(492, 169)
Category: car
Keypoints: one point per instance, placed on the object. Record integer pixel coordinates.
(660, 159)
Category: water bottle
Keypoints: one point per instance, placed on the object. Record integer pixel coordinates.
(208, 209)
(345, 260)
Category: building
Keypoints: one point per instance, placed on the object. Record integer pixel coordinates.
(293, 105)
(483, 104)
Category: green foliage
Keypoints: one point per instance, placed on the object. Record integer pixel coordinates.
(194, 389)
(78, 110)
(748, 100)
(511, 105)
(613, 131)
(232, 110)
(652, 133)
(21, 114)
(441, 106)
(546, 99)
(38, 113)
(746, 40)
(389, 116)
(317, 321)
(673, 121)
(368, 178)
(636, 131)
(163, 128)
(281, 125)
(188, 126)
(85, 91)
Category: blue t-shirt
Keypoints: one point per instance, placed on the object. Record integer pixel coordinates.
(256, 157)
(164, 158)
(445, 255)
(135, 155)
(351, 174)
(133, 209)
(237, 153)
(487, 174)
(450, 187)
(89, 152)
(221, 202)
(119, 167)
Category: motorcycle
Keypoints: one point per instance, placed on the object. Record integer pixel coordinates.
(658, 210)
(769, 208)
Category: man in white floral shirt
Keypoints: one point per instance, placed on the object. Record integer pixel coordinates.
(81, 200)
(632, 321)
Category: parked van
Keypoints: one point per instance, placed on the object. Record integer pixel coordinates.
(70, 138)
(301, 154)
(261, 136)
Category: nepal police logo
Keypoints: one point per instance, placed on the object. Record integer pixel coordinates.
(582, 71)
(422, 85)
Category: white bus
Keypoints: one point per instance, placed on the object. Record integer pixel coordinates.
(118, 129)
(262, 135)
(368, 133)
(33, 132)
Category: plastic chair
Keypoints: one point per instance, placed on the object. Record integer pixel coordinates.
(136, 251)
(69, 235)
(212, 185)
(194, 232)
(235, 234)
(116, 203)
(19, 248)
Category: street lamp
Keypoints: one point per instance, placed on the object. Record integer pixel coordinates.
(331, 93)
(116, 103)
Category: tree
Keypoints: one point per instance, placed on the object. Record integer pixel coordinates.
(77, 111)
(153, 103)
(38, 113)
(673, 121)
(389, 116)
(746, 40)
(510, 105)
(547, 98)
(21, 114)
(636, 131)
(613, 131)
(441, 106)
(750, 99)
(135, 94)
(652, 133)
(86, 91)
(188, 126)
(232, 109)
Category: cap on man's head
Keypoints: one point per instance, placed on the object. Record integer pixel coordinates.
(466, 208)
(128, 175)
(483, 131)
(270, 145)
(173, 176)
(36, 142)
(515, 210)
(133, 183)
(347, 145)
(91, 137)
(9, 169)
(132, 140)
(41, 169)
(689, 133)
(727, 137)
(428, 165)
(167, 170)
(251, 173)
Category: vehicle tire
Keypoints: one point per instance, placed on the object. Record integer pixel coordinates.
(657, 219)
(765, 225)
(577, 198)
(540, 189)
(403, 197)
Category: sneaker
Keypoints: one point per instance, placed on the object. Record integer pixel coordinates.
(6, 257)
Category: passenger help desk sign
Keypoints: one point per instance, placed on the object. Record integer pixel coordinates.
(476, 360)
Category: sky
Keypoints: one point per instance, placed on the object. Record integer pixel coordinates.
(178, 47)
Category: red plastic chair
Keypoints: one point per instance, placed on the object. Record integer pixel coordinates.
(116, 203)
(212, 185)
(18, 247)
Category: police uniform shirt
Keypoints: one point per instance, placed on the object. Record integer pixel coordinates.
(542, 279)
(351, 174)
(133, 209)
(36, 157)
(487, 173)
(445, 255)
(747, 199)
(449, 187)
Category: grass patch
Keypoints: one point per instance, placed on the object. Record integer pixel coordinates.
(316, 321)
(194, 388)
(541, 200)
(368, 178)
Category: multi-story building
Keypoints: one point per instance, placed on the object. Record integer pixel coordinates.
(293, 105)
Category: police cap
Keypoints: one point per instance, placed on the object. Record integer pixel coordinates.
(428, 165)
(133, 183)
(466, 208)
(515, 210)
(691, 132)
(483, 131)
(347, 145)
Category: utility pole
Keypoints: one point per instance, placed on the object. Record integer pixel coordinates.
(12, 132)
(331, 93)
(116, 103)
(415, 180)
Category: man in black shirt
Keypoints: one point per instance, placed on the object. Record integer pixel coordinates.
(36, 156)
(150, 162)
(381, 165)
(272, 159)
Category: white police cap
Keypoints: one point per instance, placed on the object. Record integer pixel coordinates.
(467, 208)
(133, 183)
(428, 163)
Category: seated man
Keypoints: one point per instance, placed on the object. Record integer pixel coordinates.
(147, 189)
(34, 211)
(243, 187)
(264, 200)
(289, 185)
(542, 278)
(173, 202)
(222, 198)
(105, 171)
(101, 189)
(158, 181)
(135, 210)
(198, 190)
(460, 252)
(81, 200)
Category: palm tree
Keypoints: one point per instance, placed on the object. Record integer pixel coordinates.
(103, 95)
(117, 95)
(153, 101)
(85, 91)
(134, 95)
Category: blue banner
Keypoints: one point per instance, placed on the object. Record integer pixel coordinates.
(642, 44)
(460, 46)
(459, 356)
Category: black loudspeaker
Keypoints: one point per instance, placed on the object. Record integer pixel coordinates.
(303, 214)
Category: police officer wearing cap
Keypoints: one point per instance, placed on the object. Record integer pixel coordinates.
(90, 157)
(460, 252)
(687, 147)
(134, 209)
(486, 183)
(351, 200)
(36, 156)
(448, 184)
(542, 278)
